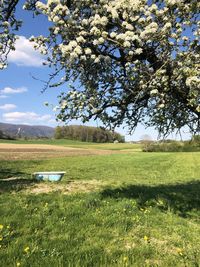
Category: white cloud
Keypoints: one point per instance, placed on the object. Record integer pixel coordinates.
(24, 54)
(52, 121)
(3, 96)
(9, 90)
(26, 117)
(8, 107)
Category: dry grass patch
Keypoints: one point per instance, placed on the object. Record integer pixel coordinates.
(70, 188)
(32, 186)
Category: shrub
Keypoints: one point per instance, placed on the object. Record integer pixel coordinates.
(172, 146)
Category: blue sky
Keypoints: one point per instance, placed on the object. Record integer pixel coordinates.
(21, 100)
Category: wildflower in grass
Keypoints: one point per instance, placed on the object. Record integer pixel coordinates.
(18, 264)
(8, 227)
(125, 258)
(1, 226)
(180, 251)
(46, 205)
(160, 202)
(26, 249)
(146, 238)
(1, 237)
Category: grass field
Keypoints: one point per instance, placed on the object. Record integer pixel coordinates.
(76, 144)
(130, 209)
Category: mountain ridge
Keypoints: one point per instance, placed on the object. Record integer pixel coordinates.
(8, 130)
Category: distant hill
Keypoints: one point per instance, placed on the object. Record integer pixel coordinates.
(8, 130)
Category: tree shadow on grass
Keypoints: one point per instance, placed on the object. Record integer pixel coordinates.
(14, 180)
(182, 198)
(8, 173)
(15, 184)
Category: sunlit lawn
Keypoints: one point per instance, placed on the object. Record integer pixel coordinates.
(144, 213)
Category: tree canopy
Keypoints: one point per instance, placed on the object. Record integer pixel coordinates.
(123, 61)
(87, 134)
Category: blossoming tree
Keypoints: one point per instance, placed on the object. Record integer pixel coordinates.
(127, 61)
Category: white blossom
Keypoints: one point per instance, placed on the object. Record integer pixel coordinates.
(39, 5)
(80, 39)
(83, 58)
(88, 51)
(162, 105)
(63, 104)
(113, 34)
(78, 50)
(101, 40)
(192, 80)
(154, 92)
(138, 51)
(127, 44)
(97, 60)
(185, 38)
(167, 25)
(1, 66)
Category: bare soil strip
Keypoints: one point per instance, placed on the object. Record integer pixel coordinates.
(34, 151)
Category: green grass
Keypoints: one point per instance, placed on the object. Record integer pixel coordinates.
(145, 214)
(46, 141)
(76, 144)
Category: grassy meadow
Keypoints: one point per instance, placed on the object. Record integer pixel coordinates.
(76, 144)
(130, 209)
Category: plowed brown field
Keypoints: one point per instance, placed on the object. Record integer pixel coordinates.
(32, 151)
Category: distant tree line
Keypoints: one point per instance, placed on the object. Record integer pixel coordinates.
(4, 136)
(87, 134)
(1, 135)
(192, 145)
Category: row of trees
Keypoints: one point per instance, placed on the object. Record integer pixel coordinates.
(87, 134)
(4, 136)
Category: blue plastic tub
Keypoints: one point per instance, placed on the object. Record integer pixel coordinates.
(49, 176)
